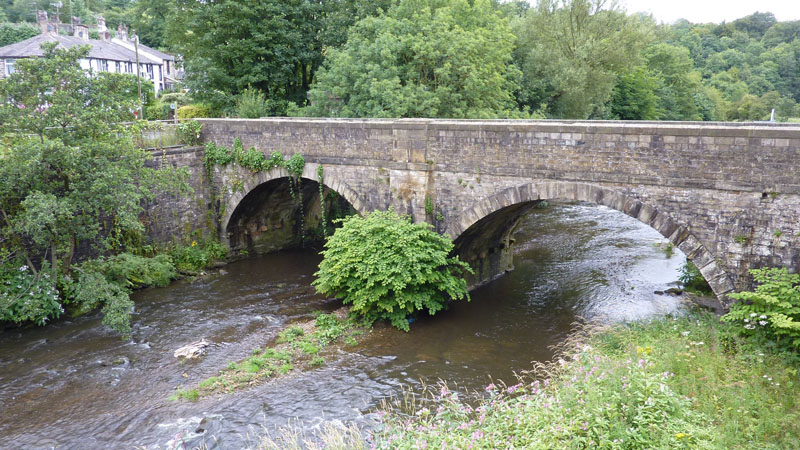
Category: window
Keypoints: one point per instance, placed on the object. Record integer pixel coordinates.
(9, 66)
(102, 65)
(117, 67)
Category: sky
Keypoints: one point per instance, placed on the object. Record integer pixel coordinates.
(702, 11)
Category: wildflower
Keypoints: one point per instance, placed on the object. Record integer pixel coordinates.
(477, 435)
(762, 322)
(23, 268)
(194, 243)
(491, 387)
(763, 316)
(685, 333)
(753, 314)
(681, 435)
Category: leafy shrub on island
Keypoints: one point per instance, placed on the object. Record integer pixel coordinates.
(388, 268)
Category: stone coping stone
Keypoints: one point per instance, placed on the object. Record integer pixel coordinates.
(710, 129)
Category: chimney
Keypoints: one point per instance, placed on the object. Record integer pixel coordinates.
(122, 32)
(102, 30)
(41, 20)
(79, 30)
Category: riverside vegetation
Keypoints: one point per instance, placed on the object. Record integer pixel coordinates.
(299, 346)
(688, 381)
(675, 382)
(72, 186)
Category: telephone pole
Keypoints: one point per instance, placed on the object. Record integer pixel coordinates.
(138, 75)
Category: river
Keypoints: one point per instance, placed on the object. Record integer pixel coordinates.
(73, 384)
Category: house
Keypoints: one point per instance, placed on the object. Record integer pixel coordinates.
(168, 74)
(116, 55)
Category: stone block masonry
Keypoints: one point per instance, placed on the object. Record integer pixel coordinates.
(727, 194)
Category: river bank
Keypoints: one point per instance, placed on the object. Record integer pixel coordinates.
(675, 382)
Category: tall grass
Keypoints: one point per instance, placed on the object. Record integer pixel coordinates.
(671, 383)
(676, 382)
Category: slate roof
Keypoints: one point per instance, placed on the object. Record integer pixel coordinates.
(98, 49)
(161, 55)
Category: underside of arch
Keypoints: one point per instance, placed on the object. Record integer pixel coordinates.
(261, 214)
(479, 214)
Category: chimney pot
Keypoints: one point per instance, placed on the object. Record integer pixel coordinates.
(122, 32)
(41, 20)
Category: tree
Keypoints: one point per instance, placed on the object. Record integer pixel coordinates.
(10, 34)
(423, 58)
(389, 268)
(70, 177)
(677, 81)
(149, 18)
(273, 46)
(24, 10)
(634, 97)
(571, 52)
(755, 25)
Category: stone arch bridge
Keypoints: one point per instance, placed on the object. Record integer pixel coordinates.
(727, 195)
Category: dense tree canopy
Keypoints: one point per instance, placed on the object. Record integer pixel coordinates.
(565, 59)
(572, 51)
(11, 33)
(274, 46)
(71, 180)
(423, 58)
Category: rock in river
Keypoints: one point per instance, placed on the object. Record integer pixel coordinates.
(193, 350)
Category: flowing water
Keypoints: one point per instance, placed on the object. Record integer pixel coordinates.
(74, 385)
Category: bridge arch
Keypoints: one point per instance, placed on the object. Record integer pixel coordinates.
(233, 199)
(513, 199)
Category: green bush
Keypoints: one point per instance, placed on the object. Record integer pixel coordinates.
(156, 111)
(194, 111)
(772, 310)
(251, 104)
(26, 296)
(693, 280)
(189, 132)
(251, 159)
(132, 271)
(389, 268)
(197, 256)
(89, 289)
(11, 33)
(107, 283)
